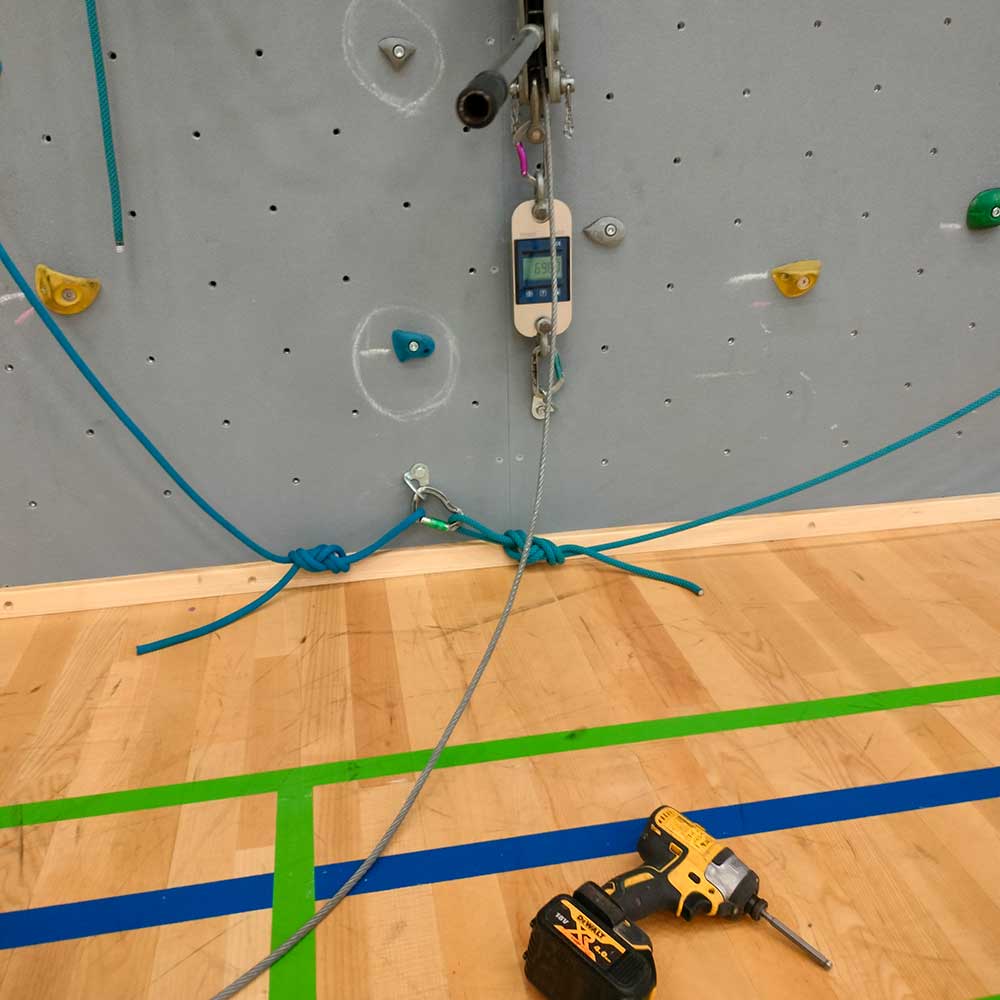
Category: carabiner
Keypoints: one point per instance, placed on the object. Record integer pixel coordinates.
(432, 491)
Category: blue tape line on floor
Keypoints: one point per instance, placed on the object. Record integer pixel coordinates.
(238, 895)
(139, 909)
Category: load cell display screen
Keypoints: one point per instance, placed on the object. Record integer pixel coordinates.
(539, 268)
(533, 270)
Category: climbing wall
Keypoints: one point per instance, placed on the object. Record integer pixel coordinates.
(290, 199)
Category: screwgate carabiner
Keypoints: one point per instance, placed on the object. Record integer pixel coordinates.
(431, 491)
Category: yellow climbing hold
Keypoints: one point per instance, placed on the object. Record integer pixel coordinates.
(65, 293)
(797, 278)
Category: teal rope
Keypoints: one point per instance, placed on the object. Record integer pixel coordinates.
(318, 559)
(790, 491)
(546, 550)
(97, 50)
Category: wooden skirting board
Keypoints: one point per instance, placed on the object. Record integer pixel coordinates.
(244, 578)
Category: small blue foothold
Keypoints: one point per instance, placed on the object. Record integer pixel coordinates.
(408, 345)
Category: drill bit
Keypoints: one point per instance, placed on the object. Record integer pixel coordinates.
(817, 956)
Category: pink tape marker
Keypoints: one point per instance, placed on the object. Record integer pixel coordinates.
(523, 158)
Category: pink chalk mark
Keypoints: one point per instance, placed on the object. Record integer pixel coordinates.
(20, 319)
(759, 304)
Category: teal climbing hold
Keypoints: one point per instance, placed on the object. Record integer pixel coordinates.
(408, 345)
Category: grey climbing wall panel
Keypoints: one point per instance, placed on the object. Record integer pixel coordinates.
(249, 340)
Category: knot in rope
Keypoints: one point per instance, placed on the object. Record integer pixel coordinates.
(321, 558)
(542, 549)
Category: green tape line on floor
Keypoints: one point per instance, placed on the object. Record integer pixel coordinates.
(389, 765)
(294, 901)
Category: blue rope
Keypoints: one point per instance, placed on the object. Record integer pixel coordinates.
(109, 143)
(318, 559)
(547, 550)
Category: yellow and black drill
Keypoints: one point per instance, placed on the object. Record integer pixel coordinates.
(585, 946)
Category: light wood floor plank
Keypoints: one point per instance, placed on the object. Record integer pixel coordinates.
(903, 903)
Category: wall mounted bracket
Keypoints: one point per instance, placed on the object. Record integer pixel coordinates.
(397, 51)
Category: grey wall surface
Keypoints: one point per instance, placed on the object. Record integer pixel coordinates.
(849, 131)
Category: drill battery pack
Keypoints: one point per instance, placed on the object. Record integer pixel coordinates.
(583, 948)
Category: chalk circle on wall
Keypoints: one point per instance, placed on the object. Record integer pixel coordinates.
(368, 21)
(403, 392)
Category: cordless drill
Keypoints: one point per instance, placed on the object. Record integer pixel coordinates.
(585, 946)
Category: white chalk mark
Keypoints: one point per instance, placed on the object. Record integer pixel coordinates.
(805, 376)
(726, 374)
(11, 297)
(371, 351)
(741, 279)
(763, 326)
(950, 225)
(403, 106)
(438, 399)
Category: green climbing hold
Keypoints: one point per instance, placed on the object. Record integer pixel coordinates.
(984, 210)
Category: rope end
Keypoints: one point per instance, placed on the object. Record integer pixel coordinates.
(119, 248)
(700, 593)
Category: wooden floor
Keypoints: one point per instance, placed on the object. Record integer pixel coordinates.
(906, 904)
